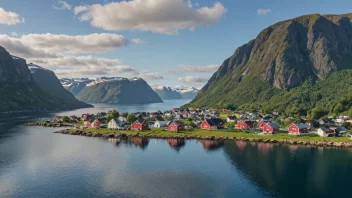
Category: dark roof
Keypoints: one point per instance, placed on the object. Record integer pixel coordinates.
(232, 117)
(273, 124)
(214, 121)
(178, 122)
(140, 120)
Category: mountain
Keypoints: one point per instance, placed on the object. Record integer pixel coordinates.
(166, 93)
(20, 92)
(290, 56)
(48, 82)
(119, 91)
(187, 92)
(178, 92)
(75, 85)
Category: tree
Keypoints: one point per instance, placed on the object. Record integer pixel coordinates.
(115, 114)
(317, 113)
(125, 114)
(131, 118)
(65, 119)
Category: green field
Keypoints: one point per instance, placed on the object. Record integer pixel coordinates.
(224, 133)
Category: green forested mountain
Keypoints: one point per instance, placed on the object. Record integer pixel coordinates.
(119, 91)
(292, 66)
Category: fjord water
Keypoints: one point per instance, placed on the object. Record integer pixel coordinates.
(35, 162)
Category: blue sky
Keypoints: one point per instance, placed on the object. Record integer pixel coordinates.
(172, 45)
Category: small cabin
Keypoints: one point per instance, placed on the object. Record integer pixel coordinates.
(298, 128)
(140, 125)
(271, 128)
(176, 126)
(245, 124)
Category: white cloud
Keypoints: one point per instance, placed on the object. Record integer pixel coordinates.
(92, 43)
(137, 41)
(193, 69)
(193, 79)
(94, 71)
(161, 16)
(10, 18)
(62, 5)
(145, 74)
(14, 34)
(263, 11)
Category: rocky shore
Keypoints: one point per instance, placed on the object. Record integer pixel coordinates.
(189, 137)
(48, 124)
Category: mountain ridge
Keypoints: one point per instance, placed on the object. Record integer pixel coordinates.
(283, 56)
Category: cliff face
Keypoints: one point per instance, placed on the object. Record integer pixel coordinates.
(48, 82)
(20, 90)
(13, 70)
(119, 91)
(285, 55)
(166, 93)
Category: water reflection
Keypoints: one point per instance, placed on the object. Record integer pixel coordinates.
(176, 144)
(291, 170)
(211, 145)
(139, 142)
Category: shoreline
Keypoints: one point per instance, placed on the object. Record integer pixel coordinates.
(112, 134)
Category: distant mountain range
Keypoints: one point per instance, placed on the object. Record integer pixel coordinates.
(178, 92)
(115, 91)
(293, 66)
(31, 88)
(76, 85)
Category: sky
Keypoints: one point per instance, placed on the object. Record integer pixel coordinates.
(165, 42)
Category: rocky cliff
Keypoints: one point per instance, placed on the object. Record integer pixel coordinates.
(282, 57)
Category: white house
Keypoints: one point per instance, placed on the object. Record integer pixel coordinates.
(116, 124)
(325, 132)
(123, 119)
(160, 124)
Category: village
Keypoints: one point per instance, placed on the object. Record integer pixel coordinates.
(177, 120)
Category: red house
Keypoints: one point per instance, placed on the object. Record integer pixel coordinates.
(298, 128)
(57, 120)
(271, 128)
(176, 126)
(88, 124)
(95, 124)
(245, 124)
(261, 124)
(140, 125)
(212, 124)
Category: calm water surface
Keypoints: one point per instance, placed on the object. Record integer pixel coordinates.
(35, 162)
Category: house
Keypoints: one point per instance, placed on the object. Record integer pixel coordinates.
(231, 118)
(86, 117)
(95, 124)
(271, 127)
(57, 119)
(160, 124)
(298, 128)
(325, 132)
(245, 124)
(123, 119)
(212, 124)
(88, 124)
(176, 126)
(339, 131)
(140, 124)
(116, 124)
(261, 124)
(313, 124)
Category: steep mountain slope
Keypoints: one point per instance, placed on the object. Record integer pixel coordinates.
(283, 56)
(19, 91)
(49, 83)
(119, 91)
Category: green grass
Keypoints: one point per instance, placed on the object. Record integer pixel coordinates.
(224, 133)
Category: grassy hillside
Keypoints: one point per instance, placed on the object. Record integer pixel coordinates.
(332, 95)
